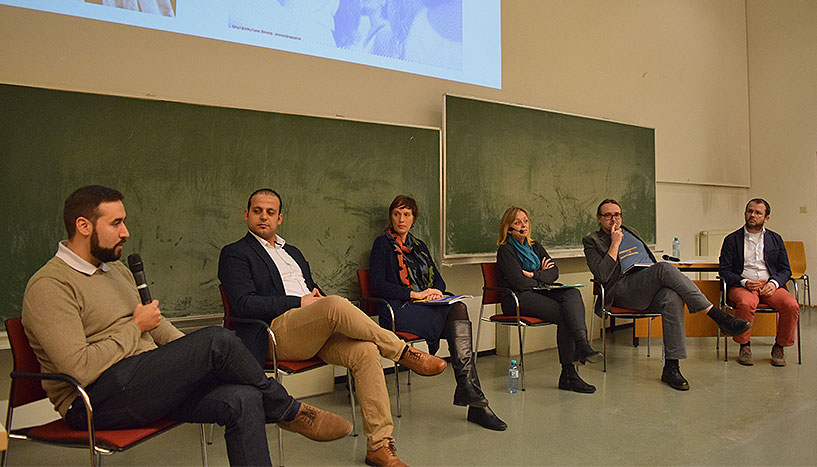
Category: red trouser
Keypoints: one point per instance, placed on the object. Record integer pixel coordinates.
(746, 302)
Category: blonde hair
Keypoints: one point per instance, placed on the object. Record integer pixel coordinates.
(505, 224)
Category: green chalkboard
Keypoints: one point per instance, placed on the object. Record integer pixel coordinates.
(557, 166)
(186, 172)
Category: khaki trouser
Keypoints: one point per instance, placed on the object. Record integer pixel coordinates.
(341, 334)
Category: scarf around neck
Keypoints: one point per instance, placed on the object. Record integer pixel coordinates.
(525, 253)
(416, 268)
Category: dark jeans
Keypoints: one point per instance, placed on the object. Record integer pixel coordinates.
(205, 377)
(563, 307)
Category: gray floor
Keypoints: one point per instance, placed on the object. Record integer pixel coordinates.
(733, 415)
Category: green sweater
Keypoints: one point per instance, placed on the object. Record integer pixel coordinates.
(80, 324)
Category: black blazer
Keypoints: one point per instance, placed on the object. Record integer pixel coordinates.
(605, 269)
(510, 269)
(774, 254)
(255, 289)
(384, 272)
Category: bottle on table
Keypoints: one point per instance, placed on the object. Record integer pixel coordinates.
(676, 248)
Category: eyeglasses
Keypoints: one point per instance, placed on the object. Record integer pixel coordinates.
(611, 215)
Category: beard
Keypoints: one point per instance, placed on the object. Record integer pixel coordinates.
(104, 254)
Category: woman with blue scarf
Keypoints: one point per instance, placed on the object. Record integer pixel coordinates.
(402, 271)
(524, 264)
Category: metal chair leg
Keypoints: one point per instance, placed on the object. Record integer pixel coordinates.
(604, 341)
(397, 383)
(351, 382)
(521, 331)
(649, 335)
(203, 433)
(479, 327)
(280, 431)
(209, 435)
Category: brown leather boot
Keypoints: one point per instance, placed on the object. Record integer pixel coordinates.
(385, 456)
(317, 424)
(422, 363)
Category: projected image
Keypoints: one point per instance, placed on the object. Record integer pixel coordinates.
(422, 31)
(156, 7)
(449, 39)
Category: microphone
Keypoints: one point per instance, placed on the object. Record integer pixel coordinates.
(671, 258)
(138, 271)
(511, 229)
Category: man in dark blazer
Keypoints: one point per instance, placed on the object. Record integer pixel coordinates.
(755, 266)
(650, 285)
(266, 278)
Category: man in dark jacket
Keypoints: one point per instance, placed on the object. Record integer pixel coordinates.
(621, 261)
(755, 266)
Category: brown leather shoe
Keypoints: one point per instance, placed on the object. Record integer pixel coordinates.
(778, 357)
(385, 456)
(422, 363)
(317, 424)
(745, 356)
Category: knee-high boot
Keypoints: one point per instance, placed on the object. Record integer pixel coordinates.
(468, 391)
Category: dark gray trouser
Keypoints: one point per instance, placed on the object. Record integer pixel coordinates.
(664, 289)
(207, 376)
(564, 307)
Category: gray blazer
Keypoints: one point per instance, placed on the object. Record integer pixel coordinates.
(605, 269)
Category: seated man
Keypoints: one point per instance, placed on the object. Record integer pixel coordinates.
(755, 266)
(83, 317)
(620, 260)
(269, 279)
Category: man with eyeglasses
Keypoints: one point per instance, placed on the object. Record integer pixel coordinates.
(755, 266)
(621, 261)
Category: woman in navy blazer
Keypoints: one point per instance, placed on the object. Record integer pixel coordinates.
(401, 270)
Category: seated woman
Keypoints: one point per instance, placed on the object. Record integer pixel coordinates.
(524, 264)
(401, 270)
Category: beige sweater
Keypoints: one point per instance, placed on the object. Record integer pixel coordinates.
(80, 324)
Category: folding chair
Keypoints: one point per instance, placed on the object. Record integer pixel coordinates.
(26, 387)
(283, 368)
(615, 312)
(367, 301)
(490, 296)
(797, 260)
(761, 308)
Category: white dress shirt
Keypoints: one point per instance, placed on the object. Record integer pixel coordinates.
(291, 274)
(754, 266)
(76, 262)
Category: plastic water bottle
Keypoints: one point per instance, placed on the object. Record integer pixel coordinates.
(676, 248)
(513, 378)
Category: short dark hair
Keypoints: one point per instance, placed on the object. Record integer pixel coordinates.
(84, 202)
(404, 201)
(758, 201)
(266, 191)
(606, 201)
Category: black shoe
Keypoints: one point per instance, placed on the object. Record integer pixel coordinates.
(569, 380)
(675, 379)
(485, 417)
(585, 353)
(727, 323)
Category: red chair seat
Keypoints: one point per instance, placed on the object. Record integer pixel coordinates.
(297, 366)
(618, 310)
(407, 336)
(529, 320)
(58, 431)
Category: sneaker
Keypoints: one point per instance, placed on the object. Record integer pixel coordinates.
(317, 424)
(745, 356)
(385, 456)
(778, 357)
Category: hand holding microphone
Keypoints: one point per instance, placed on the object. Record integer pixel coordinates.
(147, 315)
